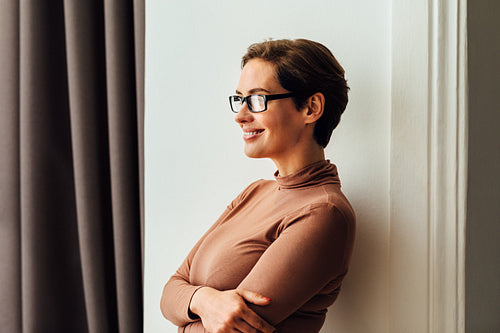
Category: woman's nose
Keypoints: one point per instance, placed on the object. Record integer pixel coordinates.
(244, 115)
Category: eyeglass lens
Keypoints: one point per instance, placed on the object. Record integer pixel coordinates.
(255, 103)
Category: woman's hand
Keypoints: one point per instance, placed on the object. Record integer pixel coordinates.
(226, 311)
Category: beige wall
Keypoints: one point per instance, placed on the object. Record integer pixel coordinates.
(194, 152)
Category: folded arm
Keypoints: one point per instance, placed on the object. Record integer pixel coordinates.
(313, 250)
(178, 291)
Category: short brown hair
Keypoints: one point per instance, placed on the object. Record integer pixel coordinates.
(306, 67)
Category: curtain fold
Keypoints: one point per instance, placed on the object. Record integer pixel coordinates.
(71, 145)
(139, 47)
(10, 217)
(123, 143)
(85, 43)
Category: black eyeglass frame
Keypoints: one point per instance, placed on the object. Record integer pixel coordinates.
(266, 98)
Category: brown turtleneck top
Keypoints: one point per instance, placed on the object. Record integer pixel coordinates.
(289, 240)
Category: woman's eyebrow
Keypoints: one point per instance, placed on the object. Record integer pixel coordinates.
(254, 90)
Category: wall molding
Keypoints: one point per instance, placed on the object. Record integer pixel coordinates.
(447, 164)
(428, 166)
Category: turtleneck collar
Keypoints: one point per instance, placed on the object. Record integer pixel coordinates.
(319, 173)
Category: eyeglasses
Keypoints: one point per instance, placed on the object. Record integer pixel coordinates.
(255, 103)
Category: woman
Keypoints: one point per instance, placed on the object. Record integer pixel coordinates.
(275, 259)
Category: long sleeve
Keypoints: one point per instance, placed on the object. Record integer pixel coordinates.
(289, 240)
(310, 255)
(178, 291)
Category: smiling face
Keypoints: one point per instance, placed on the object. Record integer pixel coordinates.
(281, 131)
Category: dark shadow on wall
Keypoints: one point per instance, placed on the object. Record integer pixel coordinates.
(482, 299)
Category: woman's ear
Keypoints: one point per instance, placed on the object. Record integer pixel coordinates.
(315, 107)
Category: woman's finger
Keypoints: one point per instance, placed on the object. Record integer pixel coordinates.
(249, 316)
(253, 297)
(244, 326)
(256, 322)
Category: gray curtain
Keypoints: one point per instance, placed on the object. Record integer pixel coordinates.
(71, 170)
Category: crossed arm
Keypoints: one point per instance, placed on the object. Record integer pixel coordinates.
(309, 253)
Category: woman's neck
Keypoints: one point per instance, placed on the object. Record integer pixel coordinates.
(295, 162)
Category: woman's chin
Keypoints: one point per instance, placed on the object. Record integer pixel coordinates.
(253, 153)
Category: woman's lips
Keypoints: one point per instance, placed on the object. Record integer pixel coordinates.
(249, 134)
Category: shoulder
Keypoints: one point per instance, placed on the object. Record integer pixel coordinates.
(324, 202)
(325, 218)
(322, 227)
(258, 186)
(255, 188)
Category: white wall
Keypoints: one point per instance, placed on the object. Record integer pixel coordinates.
(194, 152)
